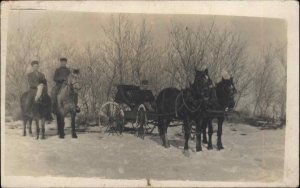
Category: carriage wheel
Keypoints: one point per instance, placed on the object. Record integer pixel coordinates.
(112, 117)
(141, 121)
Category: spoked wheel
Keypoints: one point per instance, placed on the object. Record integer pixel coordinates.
(112, 117)
(141, 121)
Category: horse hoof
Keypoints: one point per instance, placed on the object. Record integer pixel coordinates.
(220, 147)
(198, 149)
(74, 136)
(186, 153)
(24, 134)
(209, 147)
(61, 136)
(43, 138)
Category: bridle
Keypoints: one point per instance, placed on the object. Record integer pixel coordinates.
(228, 94)
(68, 83)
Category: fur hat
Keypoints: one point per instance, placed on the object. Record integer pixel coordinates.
(34, 63)
(63, 59)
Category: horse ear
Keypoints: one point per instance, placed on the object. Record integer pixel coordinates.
(231, 78)
(223, 78)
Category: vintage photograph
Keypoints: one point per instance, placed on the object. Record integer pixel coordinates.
(133, 96)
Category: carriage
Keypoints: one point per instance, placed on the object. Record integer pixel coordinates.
(136, 106)
(132, 105)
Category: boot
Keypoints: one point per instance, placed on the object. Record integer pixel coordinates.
(43, 134)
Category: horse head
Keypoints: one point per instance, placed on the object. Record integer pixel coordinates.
(73, 82)
(226, 92)
(202, 82)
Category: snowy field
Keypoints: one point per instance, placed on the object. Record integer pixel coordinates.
(250, 154)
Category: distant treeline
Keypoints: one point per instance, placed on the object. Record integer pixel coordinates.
(128, 54)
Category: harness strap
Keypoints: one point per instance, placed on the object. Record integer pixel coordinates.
(176, 103)
(191, 110)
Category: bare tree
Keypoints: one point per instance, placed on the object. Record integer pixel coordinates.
(229, 53)
(92, 78)
(187, 50)
(24, 46)
(127, 49)
(282, 79)
(219, 50)
(264, 82)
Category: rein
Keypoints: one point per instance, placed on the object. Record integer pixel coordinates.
(70, 85)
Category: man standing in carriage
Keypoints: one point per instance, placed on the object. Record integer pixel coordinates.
(60, 76)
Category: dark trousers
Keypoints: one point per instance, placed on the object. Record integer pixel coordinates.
(55, 91)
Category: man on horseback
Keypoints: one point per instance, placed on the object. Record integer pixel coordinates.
(37, 81)
(60, 76)
(36, 103)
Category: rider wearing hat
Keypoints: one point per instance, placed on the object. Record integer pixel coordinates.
(38, 84)
(60, 76)
(37, 80)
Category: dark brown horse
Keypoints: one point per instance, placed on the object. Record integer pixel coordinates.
(37, 111)
(186, 105)
(222, 100)
(66, 104)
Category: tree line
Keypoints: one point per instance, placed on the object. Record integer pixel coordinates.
(127, 53)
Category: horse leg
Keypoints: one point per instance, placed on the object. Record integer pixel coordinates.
(30, 127)
(166, 125)
(24, 126)
(62, 130)
(198, 135)
(165, 129)
(187, 134)
(37, 129)
(219, 133)
(210, 132)
(60, 127)
(204, 127)
(58, 124)
(73, 126)
(43, 128)
(162, 132)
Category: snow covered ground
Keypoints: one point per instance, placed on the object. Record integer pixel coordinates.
(250, 154)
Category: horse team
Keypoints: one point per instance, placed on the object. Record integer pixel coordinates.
(192, 104)
(196, 103)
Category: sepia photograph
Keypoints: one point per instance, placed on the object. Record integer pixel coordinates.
(132, 98)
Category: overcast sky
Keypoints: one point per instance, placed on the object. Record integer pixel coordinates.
(85, 26)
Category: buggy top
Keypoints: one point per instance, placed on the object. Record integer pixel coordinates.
(133, 96)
